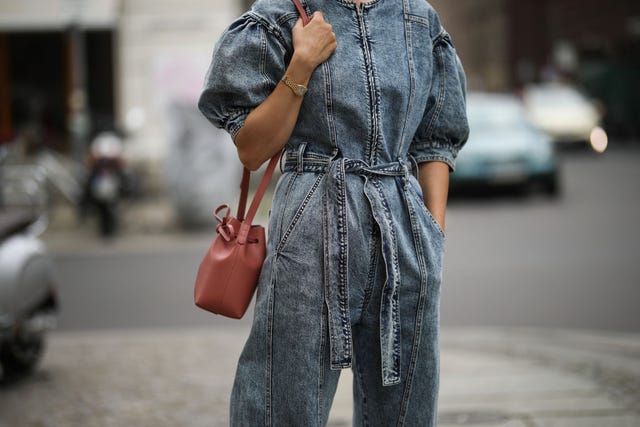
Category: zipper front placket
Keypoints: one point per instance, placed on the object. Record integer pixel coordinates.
(373, 105)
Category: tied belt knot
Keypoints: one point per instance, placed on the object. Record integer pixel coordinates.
(335, 237)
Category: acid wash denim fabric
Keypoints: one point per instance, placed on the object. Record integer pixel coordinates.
(354, 258)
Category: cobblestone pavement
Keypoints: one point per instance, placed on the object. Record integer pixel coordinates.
(490, 377)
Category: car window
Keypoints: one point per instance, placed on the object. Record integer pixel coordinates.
(505, 117)
(558, 97)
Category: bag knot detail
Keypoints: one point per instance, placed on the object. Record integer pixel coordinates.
(225, 227)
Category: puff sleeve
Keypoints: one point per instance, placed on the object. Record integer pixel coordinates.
(444, 128)
(247, 63)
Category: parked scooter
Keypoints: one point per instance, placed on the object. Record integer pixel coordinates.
(105, 181)
(28, 299)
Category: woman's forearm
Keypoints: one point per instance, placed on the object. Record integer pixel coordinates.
(434, 180)
(269, 126)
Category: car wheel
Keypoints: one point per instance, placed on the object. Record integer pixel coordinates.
(551, 186)
(20, 355)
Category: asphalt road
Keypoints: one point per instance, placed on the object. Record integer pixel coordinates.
(573, 262)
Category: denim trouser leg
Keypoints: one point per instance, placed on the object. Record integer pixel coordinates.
(284, 376)
(412, 402)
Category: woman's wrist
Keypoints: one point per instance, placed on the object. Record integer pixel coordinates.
(300, 69)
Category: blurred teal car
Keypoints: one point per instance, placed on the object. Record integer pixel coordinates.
(504, 149)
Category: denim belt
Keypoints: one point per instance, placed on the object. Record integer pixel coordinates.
(335, 234)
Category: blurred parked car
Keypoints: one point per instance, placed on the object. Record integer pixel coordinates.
(565, 114)
(503, 148)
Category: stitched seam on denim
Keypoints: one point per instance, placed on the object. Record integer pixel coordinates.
(321, 378)
(352, 166)
(417, 242)
(264, 23)
(298, 215)
(234, 129)
(396, 345)
(284, 202)
(442, 35)
(230, 119)
(362, 39)
(263, 61)
(344, 261)
(343, 300)
(269, 338)
(287, 17)
(352, 4)
(373, 264)
(292, 153)
(363, 405)
(442, 91)
(418, 19)
(412, 78)
(317, 168)
(444, 143)
(328, 98)
(330, 323)
(374, 95)
(377, 134)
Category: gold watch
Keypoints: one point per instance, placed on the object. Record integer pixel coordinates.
(299, 90)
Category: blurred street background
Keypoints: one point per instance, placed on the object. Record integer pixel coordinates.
(103, 149)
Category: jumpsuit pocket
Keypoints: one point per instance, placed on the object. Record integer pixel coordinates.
(414, 186)
(293, 212)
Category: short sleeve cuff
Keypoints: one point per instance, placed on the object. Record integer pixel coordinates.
(437, 152)
(234, 122)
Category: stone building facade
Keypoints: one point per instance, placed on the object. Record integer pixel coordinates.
(150, 53)
(506, 43)
(144, 55)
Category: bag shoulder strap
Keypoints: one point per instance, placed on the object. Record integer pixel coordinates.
(303, 14)
(257, 198)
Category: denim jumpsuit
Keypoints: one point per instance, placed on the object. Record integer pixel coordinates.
(354, 258)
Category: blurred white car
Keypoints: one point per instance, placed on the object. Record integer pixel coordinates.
(503, 148)
(565, 114)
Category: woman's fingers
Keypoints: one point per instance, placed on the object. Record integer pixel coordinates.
(316, 41)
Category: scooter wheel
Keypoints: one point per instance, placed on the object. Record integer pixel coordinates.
(18, 357)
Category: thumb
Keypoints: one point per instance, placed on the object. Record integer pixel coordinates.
(298, 23)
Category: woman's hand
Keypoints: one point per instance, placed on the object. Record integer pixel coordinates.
(315, 42)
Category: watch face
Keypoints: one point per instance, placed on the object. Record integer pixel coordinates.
(300, 90)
